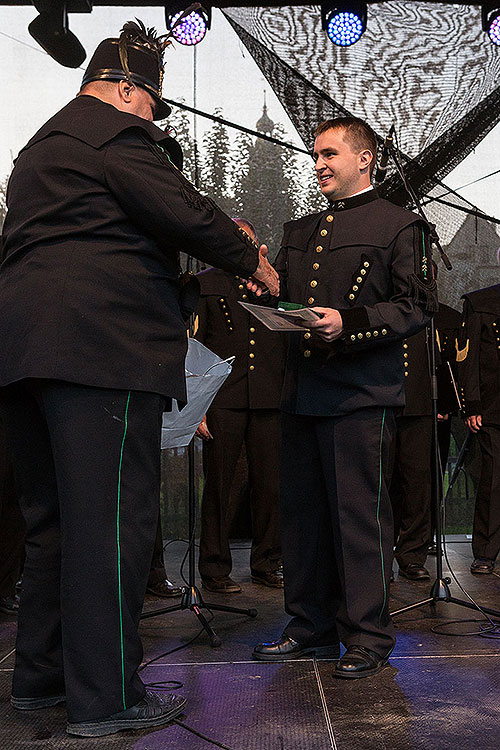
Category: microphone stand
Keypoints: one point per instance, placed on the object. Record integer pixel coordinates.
(440, 589)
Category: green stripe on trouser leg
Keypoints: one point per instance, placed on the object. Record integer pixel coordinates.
(118, 548)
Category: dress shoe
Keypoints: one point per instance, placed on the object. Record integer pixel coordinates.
(481, 566)
(222, 585)
(32, 704)
(359, 661)
(414, 572)
(9, 604)
(164, 589)
(274, 579)
(152, 711)
(287, 648)
(432, 549)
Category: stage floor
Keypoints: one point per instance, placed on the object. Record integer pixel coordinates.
(440, 692)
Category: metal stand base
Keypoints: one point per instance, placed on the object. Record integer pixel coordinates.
(440, 592)
(193, 600)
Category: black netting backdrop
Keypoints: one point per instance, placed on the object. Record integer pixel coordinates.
(429, 69)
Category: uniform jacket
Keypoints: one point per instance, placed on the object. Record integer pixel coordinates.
(415, 353)
(370, 260)
(478, 354)
(229, 330)
(97, 215)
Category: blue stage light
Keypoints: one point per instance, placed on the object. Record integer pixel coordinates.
(490, 14)
(192, 28)
(344, 22)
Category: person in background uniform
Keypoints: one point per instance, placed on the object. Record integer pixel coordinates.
(478, 362)
(93, 349)
(411, 482)
(244, 412)
(363, 266)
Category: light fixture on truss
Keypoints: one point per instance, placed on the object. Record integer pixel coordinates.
(344, 22)
(490, 16)
(192, 29)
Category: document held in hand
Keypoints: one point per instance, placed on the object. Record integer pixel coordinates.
(284, 318)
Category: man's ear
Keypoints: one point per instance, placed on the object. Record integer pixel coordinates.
(365, 159)
(126, 89)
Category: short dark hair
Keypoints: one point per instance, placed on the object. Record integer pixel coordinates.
(357, 132)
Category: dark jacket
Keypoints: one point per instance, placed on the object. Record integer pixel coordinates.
(97, 215)
(370, 260)
(478, 354)
(415, 352)
(229, 330)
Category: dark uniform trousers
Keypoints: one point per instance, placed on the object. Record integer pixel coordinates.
(337, 489)
(258, 430)
(97, 468)
(486, 536)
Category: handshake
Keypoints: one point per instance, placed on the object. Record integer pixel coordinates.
(265, 277)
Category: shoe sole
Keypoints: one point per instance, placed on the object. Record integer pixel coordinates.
(33, 704)
(412, 578)
(482, 572)
(163, 596)
(318, 652)
(269, 585)
(221, 591)
(360, 675)
(103, 728)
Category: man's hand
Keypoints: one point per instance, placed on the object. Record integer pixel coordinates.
(474, 423)
(265, 277)
(442, 417)
(203, 432)
(329, 326)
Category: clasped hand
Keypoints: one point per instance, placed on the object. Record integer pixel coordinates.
(265, 277)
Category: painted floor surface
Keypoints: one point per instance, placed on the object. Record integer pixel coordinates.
(440, 692)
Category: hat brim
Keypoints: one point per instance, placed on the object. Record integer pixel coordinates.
(162, 109)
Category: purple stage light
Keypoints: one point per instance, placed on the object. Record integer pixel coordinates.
(345, 28)
(191, 30)
(494, 29)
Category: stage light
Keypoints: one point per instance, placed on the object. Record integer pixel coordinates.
(192, 29)
(344, 22)
(490, 16)
(50, 29)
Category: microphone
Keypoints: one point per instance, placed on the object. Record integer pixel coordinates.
(384, 159)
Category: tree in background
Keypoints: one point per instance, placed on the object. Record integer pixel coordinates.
(216, 165)
(3, 200)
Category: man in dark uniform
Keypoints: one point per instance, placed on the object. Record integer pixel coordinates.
(93, 347)
(363, 266)
(478, 362)
(244, 412)
(411, 482)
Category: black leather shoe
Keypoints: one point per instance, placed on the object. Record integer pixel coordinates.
(480, 566)
(152, 711)
(274, 579)
(359, 661)
(414, 572)
(32, 704)
(286, 648)
(164, 589)
(222, 585)
(9, 604)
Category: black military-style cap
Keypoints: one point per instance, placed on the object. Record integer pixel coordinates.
(136, 56)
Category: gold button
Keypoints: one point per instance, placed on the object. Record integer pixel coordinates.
(375, 333)
(384, 331)
(244, 296)
(252, 330)
(406, 374)
(251, 355)
(319, 248)
(406, 364)
(313, 283)
(315, 266)
(251, 367)
(405, 355)
(360, 335)
(352, 296)
(359, 279)
(240, 286)
(230, 328)
(307, 335)
(368, 335)
(329, 218)
(307, 353)
(221, 299)
(353, 337)
(405, 345)
(355, 288)
(252, 342)
(363, 272)
(366, 264)
(310, 300)
(226, 314)
(324, 232)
